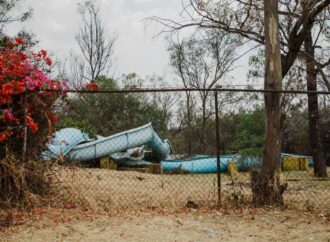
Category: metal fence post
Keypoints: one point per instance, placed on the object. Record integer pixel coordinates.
(217, 146)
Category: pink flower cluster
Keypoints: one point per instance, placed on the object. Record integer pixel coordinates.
(22, 84)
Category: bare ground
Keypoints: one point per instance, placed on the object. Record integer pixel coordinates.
(192, 225)
(132, 206)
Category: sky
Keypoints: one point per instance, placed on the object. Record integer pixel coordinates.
(55, 23)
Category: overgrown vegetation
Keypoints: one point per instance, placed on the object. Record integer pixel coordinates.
(22, 185)
(105, 114)
(26, 120)
(200, 61)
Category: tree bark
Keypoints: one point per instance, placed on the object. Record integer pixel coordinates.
(189, 140)
(266, 187)
(203, 136)
(320, 169)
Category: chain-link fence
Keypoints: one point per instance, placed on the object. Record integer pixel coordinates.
(182, 148)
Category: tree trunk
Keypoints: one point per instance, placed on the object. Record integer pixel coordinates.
(189, 140)
(320, 169)
(266, 187)
(203, 136)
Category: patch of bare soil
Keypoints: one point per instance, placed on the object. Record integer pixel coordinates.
(159, 225)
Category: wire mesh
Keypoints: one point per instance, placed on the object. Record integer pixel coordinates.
(131, 150)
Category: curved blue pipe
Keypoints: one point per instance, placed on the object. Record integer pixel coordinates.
(198, 165)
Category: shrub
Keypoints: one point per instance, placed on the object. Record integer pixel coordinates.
(25, 108)
(26, 119)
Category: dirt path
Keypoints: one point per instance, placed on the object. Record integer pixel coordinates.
(184, 226)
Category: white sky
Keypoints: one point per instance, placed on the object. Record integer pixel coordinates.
(55, 23)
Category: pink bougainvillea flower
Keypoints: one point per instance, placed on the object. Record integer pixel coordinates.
(8, 114)
(48, 61)
(92, 86)
(32, 124)
(5, 135)
(20, 41)
(22, 80)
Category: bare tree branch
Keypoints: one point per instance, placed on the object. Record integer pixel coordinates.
(95, 47)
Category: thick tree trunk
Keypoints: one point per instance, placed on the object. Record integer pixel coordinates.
(320, 169)
(266, 187)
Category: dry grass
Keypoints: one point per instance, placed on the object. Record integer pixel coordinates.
(121, 193)
(22, 184)
(107, 189)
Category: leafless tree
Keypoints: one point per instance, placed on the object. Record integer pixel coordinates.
(248, 18)
(245, 18)
(8, 12)
(201, 62)
(313, 59)
(72, 70)
(96, 48)
(164, 101)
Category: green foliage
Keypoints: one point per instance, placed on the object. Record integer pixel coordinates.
(295, 137)
(250, 132)
(251, 152)
(83, 125)
(256, 64)
(105, 114)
